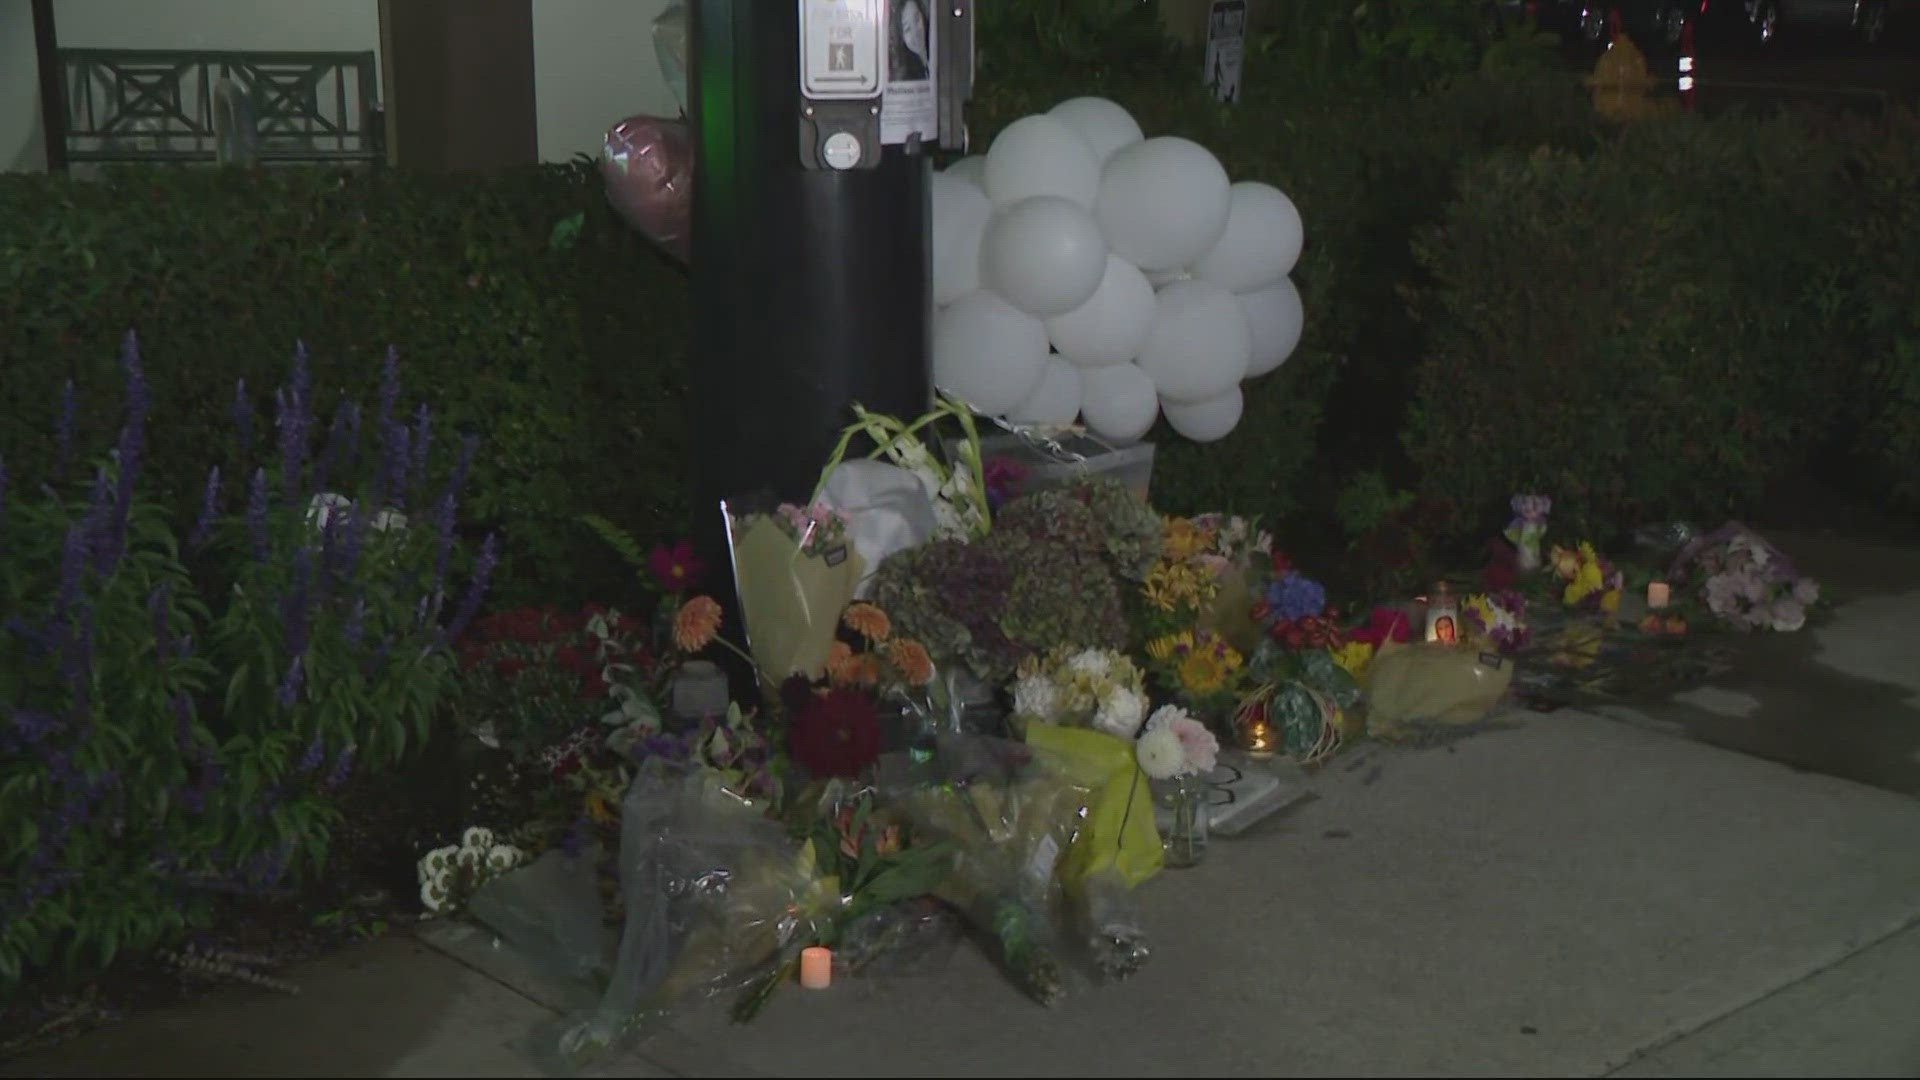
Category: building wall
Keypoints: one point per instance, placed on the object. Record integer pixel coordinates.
(593, 59)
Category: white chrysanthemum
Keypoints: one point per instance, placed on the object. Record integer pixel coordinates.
(505, 857)
(1122, 709)
(1036, 696)
(1160, 753)
(437, 861)
(1093, 663)
(477, 838)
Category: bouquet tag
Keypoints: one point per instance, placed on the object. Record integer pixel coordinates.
(1492, 661)
(1045, 854)
(834, 555)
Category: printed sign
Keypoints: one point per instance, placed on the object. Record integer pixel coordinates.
(910, 106)
(1226, 48)
(840, 48)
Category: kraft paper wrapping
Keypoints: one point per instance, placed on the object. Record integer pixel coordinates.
(791, 601)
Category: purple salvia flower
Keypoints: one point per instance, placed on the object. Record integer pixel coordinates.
(445, 523)
(63, 432)
(294, 619)
(422, 442)
(73, 561)
(294, 420)
(291, 683)
(99, 521)
(242, 416)
(257, 515)
(342, 768)
(76, 667)
(332, 455)
(159, 607)
(476, 588)
(133, 439)
(209, 509)
(316, 753)
(393, 467)
(356, 622)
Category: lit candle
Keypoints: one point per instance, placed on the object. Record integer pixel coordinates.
(816, 967)
(1659, 595)
(1260, 740)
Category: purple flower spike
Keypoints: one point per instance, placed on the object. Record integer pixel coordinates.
(316, 753)
(422, 441)
(99, 521)
(476, 589)
(209, 509)
(393, 466)
(294, 420)
(257, 515)
(342, 768)
(73, 559)
(63, 432)
(291, 683)
(293, 606)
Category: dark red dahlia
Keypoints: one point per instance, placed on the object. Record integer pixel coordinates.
(836, 733)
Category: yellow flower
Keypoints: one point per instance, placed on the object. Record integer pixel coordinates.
(1163, 648)
(1171, 586)
(599, 810)
(1354, 656)
(864, 618)
(1184, 539)
(1204, 671)
(1610, 601)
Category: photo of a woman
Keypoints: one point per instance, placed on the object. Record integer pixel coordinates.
(909, 56)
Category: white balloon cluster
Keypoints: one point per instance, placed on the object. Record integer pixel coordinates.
(1082, 270)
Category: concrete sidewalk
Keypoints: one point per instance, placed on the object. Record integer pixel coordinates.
(1571, 897)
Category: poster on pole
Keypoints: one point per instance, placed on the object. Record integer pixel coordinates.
(910, 105)
(1226, 48)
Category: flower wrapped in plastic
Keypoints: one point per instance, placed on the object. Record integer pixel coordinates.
(1746, 581)
(795, 569)
(1009, 820)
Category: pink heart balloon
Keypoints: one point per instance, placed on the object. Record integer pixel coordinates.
(647, 163)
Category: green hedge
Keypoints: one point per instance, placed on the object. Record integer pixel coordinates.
(563, 346)
(1654, 328)
(1884, 422)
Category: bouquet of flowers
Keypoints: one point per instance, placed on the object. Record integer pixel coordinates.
(1199, 669)
(1008, 820)
(1097, 688)
(1174, 744)
(795, 571)
(1591, 582)
(1293, 609)
(1747, 582)
(1048, 574)
(1206, 576)
(1498, 618)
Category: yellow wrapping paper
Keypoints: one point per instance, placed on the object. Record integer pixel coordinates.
(1434, 683)
(1119, 835)
(790, 601)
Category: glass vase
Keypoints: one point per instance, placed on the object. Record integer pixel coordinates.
(1183, 834)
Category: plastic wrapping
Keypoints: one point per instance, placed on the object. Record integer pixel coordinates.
(912, 937)
(551, 912)
(1118, 839)
(1109, 926)
(717, 897)
(796, 570)
(1010, 821)
(1410, 686)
